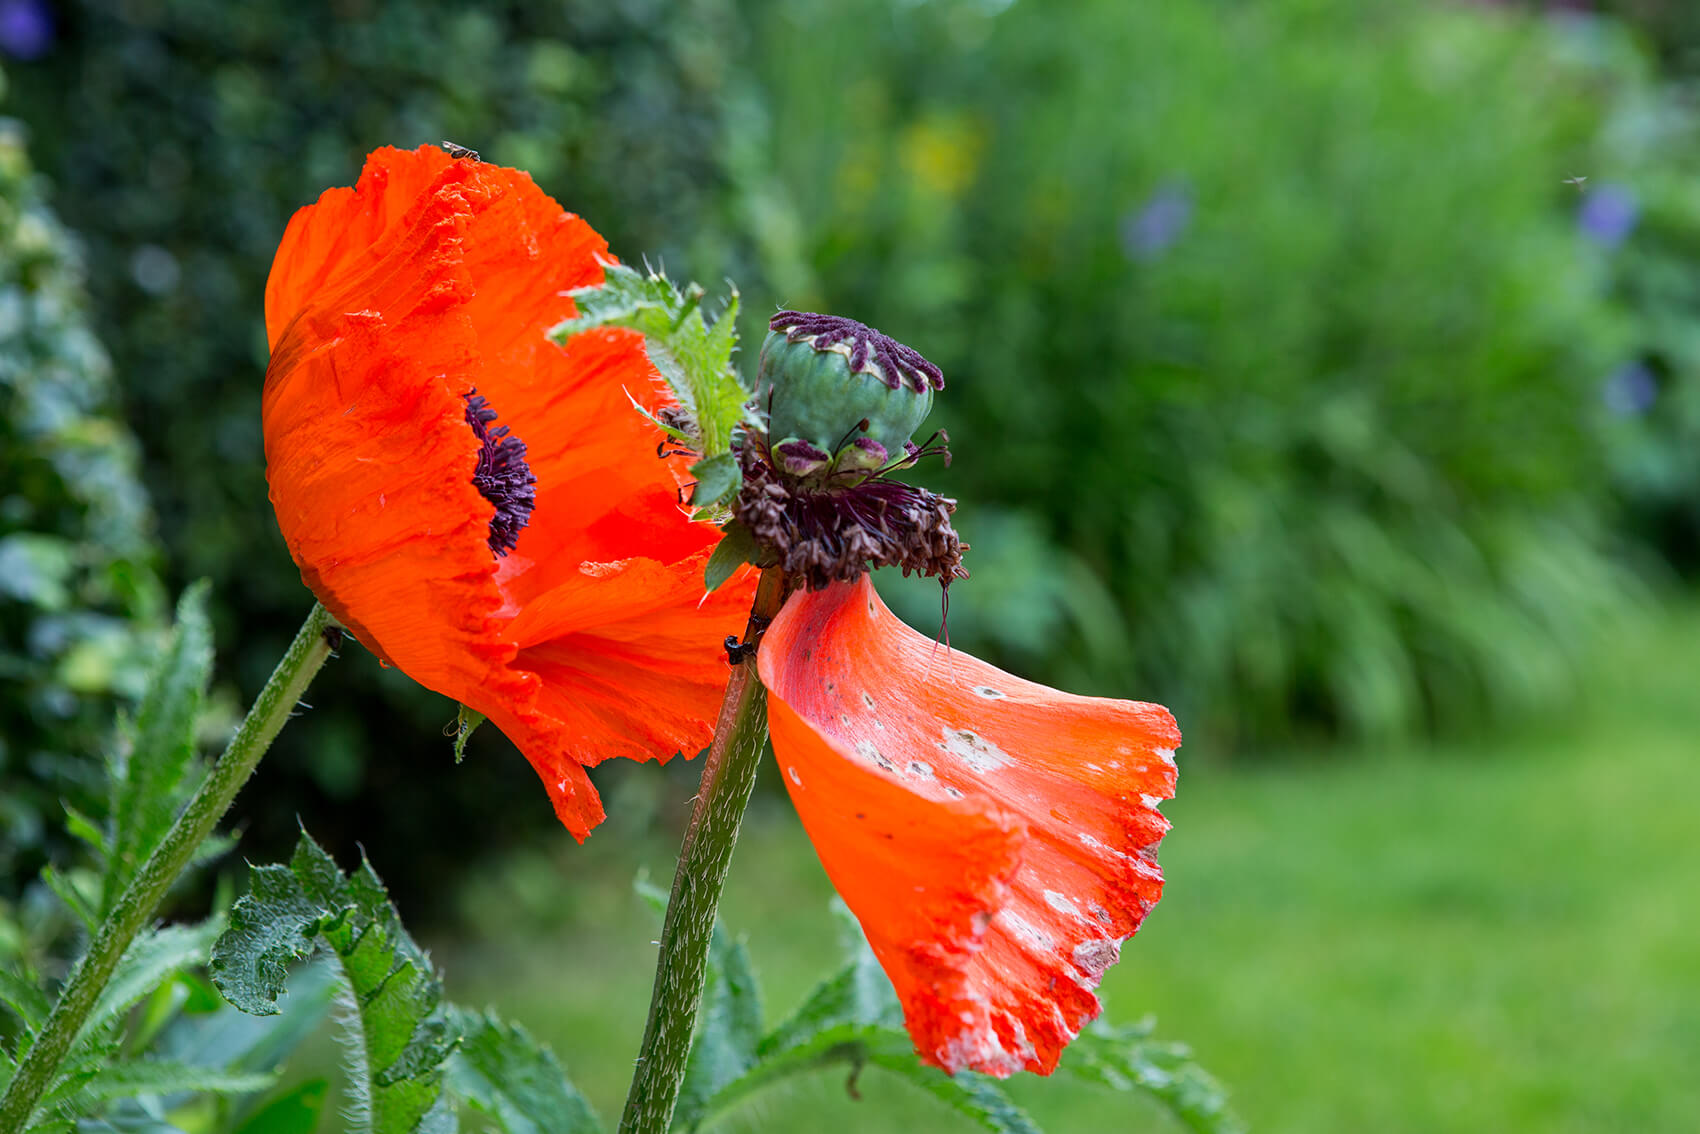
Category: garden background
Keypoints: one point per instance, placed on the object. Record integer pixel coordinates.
(1328, 371)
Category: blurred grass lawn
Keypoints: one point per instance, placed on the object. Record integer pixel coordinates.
(1495, 935)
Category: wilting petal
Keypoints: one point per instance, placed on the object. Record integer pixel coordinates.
(997, 839)
(388, 304)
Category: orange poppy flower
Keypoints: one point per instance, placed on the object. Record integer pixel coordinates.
(995, 838)
(480, 508)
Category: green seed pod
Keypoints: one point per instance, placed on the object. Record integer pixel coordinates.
(833, 382)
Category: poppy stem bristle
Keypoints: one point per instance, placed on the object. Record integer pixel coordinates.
(728, 775)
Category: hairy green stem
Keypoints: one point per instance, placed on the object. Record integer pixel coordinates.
(136, 905)
(727, 778)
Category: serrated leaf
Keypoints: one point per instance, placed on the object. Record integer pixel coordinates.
(1127, 1059)
(152, 959)
(272, 925)
(736, 548)
(465, 721)
(128, 1078)
(399, 1037)
(975, 1096)
(148, 773)
(692, 355)
(296, 1111)
(500, 1071)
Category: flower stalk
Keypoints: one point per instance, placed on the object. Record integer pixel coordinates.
(727, 778)
(312, 646)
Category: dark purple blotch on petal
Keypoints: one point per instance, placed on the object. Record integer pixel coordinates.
(502, 477)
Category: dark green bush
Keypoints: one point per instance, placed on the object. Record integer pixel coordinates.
(1274, 315)
(79, 600)
(181, 135)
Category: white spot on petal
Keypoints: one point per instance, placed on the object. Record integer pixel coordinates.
(989, 693)
(974, 750)
(1062, 903)
(1094, 956)
(791, 770)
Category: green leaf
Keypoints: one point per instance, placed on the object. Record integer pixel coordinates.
(274, 924)
(465, 721)
(975, 1096)
(20, 992)
(729, 1027)
(399, 1036)
(857, 996)
(152, 958)
(501, 1071)
(736, 548)
(692, 355)
(65, 888)
(148, 773)
(853, 1018)
(718, 478)
(1127, 1059)
(126, 1079)
(296, 1111)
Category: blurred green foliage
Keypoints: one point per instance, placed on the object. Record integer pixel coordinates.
(1274, 343)
(79, 600)
(1642, 221)
(181, 135)
(1274, 315)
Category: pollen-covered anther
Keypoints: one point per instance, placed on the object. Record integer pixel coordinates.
(501, 476)
(836, 532)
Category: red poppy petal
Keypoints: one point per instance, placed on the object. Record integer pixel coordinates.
(379, 309)
(341, 232)
(997, 839)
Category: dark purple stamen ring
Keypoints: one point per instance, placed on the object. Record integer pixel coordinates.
(894, 363)
(502, 477)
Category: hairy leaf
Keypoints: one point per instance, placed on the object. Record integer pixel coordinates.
(1127, 1059)
(152, 958)
(149, 771)
(501, 1071)
(398, 1034)
(853, 1019)
(693, 355)
(465, 721)
(128, 1078)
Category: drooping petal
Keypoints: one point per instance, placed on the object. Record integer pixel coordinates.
(388, 304)
(997, 839)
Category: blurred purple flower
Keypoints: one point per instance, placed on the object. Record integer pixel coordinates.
(26, 28)
(1608, 214)
(1154, 228)
(1631, 390)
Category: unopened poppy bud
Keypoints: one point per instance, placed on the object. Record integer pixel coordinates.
(834, 382)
